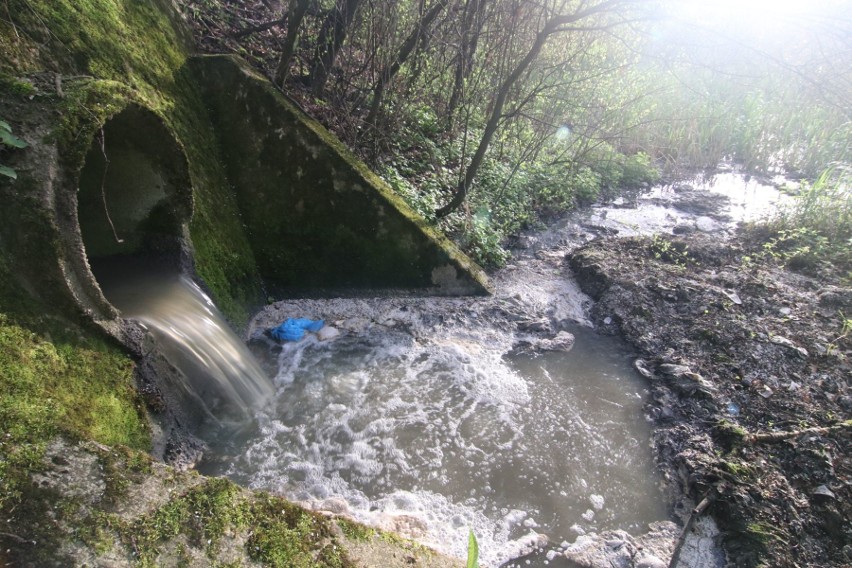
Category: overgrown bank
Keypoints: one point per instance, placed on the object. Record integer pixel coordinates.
(749, 365)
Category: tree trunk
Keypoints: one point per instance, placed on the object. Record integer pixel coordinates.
(552, 26)
(390, 71)
(296, 13)
(471, 28)
(332, 34)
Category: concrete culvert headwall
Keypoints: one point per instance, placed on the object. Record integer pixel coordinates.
(134, 192)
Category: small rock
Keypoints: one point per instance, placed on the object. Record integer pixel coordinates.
(650, 561)
(706, 224)
(733, 296)
(823, 491)
(327, 333)
(834, 297)
(642, 366)
(526, 242)
(335, 505)
(597, 501)
(562, 341)
(784, 342)
(673, 369)
(541, 325)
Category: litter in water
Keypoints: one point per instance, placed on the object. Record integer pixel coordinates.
(293, 329)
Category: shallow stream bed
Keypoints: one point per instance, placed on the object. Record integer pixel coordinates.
(431, 417)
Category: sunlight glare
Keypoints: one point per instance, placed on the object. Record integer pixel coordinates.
(753, 13)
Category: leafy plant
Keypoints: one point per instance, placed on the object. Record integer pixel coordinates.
(7, 139)
(817, 227)
(668, 251)
(472, 551)
(845, 332)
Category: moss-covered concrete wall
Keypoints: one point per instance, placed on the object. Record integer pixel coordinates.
(315, 215)
(67, 69)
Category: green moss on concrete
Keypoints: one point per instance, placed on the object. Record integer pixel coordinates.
(44, 379)
(132, 52)
(317, 217)
(132, 42)
(16, 87)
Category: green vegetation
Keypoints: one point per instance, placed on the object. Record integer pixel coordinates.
(472, 551)
(44, 379)
(355, 531)
(503, 116)
(676, 253)
(9, 140)
(817, 227)
(108, 53)
(813, 234)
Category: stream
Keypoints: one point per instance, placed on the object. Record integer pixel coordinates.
(431, 417)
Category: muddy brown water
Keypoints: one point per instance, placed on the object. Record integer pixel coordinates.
(418, 418)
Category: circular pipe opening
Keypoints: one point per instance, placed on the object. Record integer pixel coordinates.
(134, 199)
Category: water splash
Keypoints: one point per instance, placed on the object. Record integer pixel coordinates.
(220, 374)
(417, 421)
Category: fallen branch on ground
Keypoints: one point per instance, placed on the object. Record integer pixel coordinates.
(772, 437)
(696, 512)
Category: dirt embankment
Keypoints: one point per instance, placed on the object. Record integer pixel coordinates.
(750, 377)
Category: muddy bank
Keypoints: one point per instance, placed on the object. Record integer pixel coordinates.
(750, 378)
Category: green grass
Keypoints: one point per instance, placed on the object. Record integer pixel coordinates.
(817, 228)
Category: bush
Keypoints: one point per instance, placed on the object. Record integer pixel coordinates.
(817, 227)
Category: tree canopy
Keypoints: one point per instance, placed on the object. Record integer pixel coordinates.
(490, 114)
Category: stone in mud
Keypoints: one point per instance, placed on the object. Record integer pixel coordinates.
(327, 333)
(784, 342)
(642, 367)
(334, 505)
(835, 297)
(706, 225)
(673, 369)
(539, 325)
(612, 548)
(561, 342)
(682, 379)
(650, 561)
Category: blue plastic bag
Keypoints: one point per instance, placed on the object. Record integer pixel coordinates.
(294, 329)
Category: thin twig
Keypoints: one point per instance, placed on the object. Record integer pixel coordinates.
(16, 538)
(260, 27)
(103, 187)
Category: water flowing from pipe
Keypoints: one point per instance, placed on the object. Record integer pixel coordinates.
(219, 373)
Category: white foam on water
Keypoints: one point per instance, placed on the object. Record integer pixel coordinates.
(423, 426)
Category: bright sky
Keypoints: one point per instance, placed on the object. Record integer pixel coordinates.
(766, 22)
(759, 14)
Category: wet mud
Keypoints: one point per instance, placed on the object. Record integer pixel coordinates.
(750, 375)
